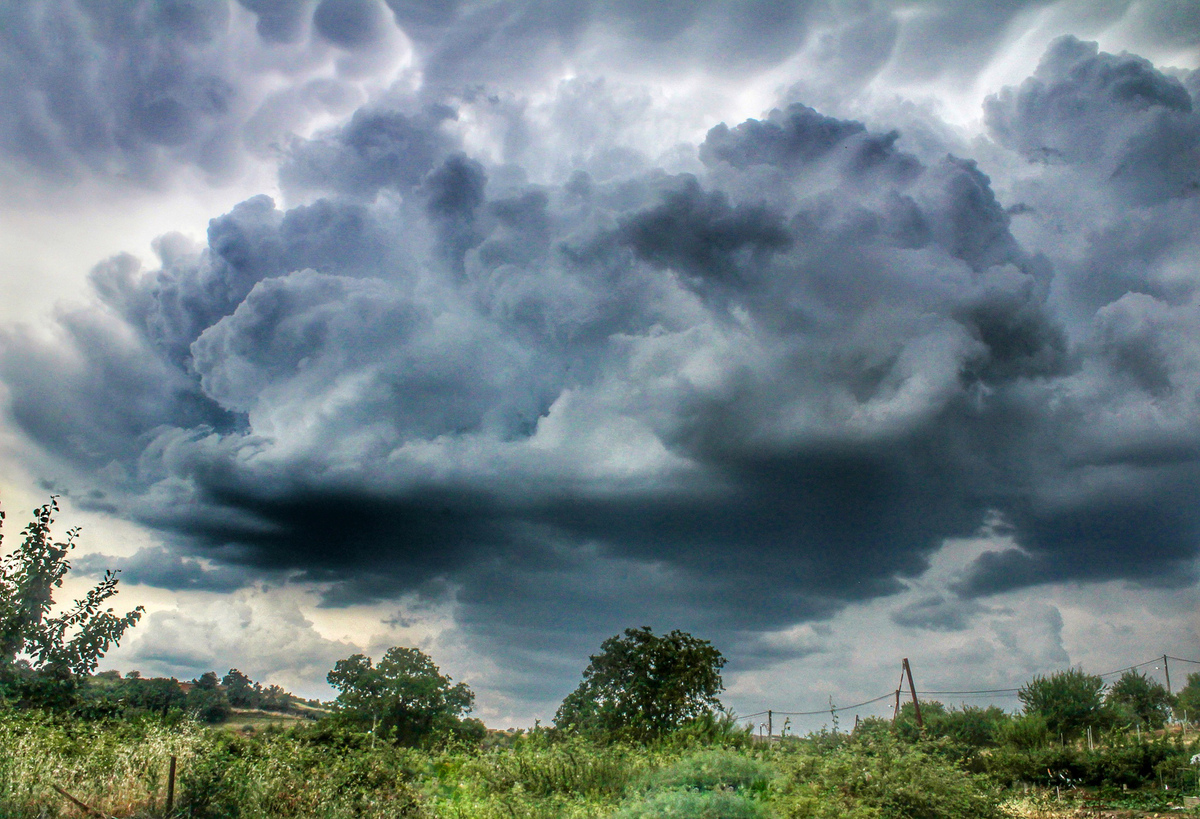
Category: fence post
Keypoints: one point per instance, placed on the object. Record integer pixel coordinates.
(171, 787)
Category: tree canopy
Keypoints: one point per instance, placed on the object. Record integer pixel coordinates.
(1068, 700)
(405, 697)
(33, 640)
(644, 684)
(1139, 699)
(1187, 701)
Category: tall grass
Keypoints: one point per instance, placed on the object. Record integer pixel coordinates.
(327, 772)
(117, 768)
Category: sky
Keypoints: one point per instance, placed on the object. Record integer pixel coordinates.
(831, 332)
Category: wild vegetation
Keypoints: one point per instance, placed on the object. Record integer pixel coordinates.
(643, 737)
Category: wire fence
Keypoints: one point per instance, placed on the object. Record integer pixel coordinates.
(988, 693)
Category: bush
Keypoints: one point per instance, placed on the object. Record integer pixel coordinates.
(573, 767)
(714, 770)
(692, 805)
(1026, 732)
(878, 776)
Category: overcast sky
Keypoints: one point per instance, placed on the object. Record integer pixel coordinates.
(831, 332)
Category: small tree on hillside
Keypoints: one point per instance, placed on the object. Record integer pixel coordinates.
(642, 684)
(1068, 700)
(36, 647)
(242, 691)
(1139, 699)
(405, 697)
(206, 699)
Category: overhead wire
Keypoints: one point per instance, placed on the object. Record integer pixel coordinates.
(971, 692)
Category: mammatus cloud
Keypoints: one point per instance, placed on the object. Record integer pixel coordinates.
(735, 385)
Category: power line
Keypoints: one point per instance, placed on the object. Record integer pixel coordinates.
(981, 691)
(973, 692)
(833, 708)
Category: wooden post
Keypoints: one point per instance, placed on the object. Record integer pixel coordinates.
(896, 707)
(1167, 671)
(913, 689)
(171, 787)
(770, 727)
(82, 805)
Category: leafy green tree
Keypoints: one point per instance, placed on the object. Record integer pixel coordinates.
(405, 697)
(275, 698)
(156, 694)
(1068, 700)
(641, 684)
(1139, 699)
(206, 699)
(1187, 701)
(242, 691)
(40, 649)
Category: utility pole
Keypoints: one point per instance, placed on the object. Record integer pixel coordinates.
(913, 690)
(770, 728)
(1167, 671)
(896, 707)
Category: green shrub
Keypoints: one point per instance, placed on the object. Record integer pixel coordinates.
(1026, 732)
(714, 770)
(878, 776)
(573, 767)
(681, 804)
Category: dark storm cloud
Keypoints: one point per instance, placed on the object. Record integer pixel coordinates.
(725, 400)
(1116, 115)
(278, 21)
(165, 570)
(463, 42)
(134, 90)
(376, 149)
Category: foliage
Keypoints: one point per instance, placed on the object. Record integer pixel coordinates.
(1069, 701)
(692, 805)
(571, 767)
(1137, 698)
(60, 648)
(966, 731)
(1187, 701)
(877, 775)
(207, 701)
(405, 697)
(242, 691)
(644, 685)
(330, 770)
(715, 770)
(1026, 732)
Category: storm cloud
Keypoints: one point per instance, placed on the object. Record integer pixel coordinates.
(736, 384)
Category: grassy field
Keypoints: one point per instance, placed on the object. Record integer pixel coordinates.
(307, 769)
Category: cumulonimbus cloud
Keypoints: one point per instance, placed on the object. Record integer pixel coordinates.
(776, 371)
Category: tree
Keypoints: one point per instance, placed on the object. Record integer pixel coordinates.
(242, 691)
(1139, 699)
(405, 697)
(1187, 701)
(206, 699)
(642, 684)
(1068, 700)
(34, 645)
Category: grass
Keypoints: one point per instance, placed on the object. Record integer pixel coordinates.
(301, 768)
(251, 721)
